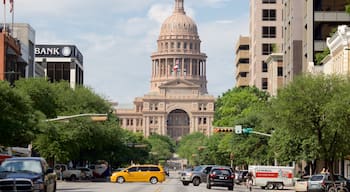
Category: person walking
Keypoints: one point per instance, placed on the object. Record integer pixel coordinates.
(249, 181)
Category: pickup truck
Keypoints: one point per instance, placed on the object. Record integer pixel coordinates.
(30, 174)
(197, 175)
(65, 173)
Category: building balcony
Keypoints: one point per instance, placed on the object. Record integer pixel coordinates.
(335, 16)
(242, 68)
(242, 82)
(242, 54)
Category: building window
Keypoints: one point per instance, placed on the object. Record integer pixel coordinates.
(280, 71)
(269, 32)
(267, 48)
(264, 66)
(178, 45)
(269, 15)
(264, 84)
(185, 45)
(204, 120)
(172, 45)
(191, 46)
(268, 1)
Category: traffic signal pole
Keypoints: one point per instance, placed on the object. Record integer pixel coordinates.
(259, 133)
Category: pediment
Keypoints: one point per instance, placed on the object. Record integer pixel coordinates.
(179, 83)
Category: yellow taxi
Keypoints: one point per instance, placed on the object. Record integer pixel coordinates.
(140, 173)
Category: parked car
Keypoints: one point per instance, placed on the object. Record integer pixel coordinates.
(141, 173)
(66, 173)
(300, 184)
(322, 182)
(221, 177)
(30, 174)
(240, 176)
(197, 175)
(86, 173)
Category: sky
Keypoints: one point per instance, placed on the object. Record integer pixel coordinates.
(117, 38)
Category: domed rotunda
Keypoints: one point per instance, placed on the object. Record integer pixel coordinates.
(178, 102)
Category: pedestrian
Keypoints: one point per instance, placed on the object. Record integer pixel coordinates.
(323, 171)
(249, 181)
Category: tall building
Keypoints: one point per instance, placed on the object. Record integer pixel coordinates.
(242, 62)
(321, 19)
(26, 35)
(178, 102)
(11, 67)
(61, 62)
(292, 49)
(265, 38)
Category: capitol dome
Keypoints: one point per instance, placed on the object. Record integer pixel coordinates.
(179, 23)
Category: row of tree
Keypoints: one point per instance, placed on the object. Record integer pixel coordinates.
(27, 105)
(309, 120)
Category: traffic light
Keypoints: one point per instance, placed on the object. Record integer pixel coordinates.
(247, 130)
(223, 129)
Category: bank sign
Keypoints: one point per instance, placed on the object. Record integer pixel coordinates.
(58, 51)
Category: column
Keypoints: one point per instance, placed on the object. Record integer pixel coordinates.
(182, 66)
(191, 64)
(166, 67)
(72, 78)
(146, 133)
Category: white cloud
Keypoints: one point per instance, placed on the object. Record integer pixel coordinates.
(159, 12)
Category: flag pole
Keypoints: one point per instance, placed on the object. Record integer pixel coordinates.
(4, 26)
(13, 14)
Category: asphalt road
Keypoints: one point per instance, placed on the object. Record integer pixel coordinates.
(172, 184)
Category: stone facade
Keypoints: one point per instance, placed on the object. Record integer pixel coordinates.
(178, 102)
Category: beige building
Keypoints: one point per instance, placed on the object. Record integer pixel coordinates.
(321, 18)
(275, 75)
(266, 38)
(292, 47)
(242, 61)
(338, 61)
(178, 102)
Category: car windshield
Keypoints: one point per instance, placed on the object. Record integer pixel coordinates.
(198, 168)
(316, 178)
(21, 166)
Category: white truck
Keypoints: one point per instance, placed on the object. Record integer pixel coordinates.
(65, 173)
(272, 177)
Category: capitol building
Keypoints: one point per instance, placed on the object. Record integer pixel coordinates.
(178, 102)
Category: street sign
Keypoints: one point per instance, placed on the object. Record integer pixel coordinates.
(238, 129)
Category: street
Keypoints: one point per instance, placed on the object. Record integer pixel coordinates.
(172, 184)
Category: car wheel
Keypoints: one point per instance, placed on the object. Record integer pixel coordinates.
(230, 188)
(120, 179)
(73, 178)
(208, 186)
(279, 186)
(185, 183)
(196, 181)
(270, 186)
(153, 180)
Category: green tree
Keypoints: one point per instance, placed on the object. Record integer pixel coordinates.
(242, 106)
(189, 145)
(18, 119)
(162, 147)
(41, 93)
(311, 119)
